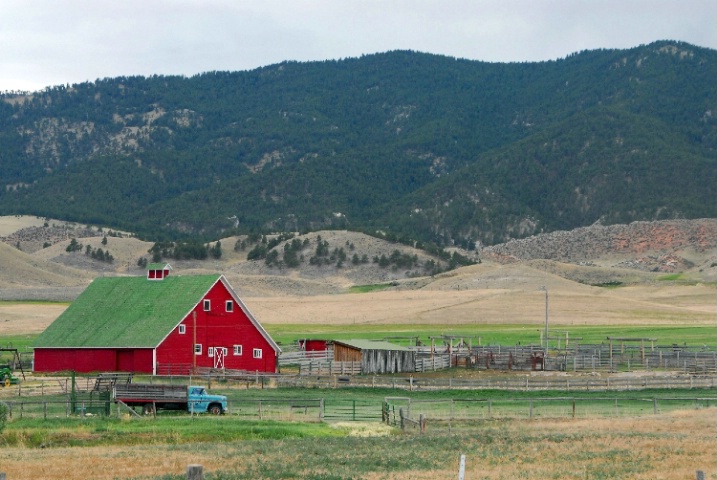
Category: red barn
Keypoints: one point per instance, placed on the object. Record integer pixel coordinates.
(160, 324)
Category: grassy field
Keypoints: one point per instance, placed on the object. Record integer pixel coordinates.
(483, 334)
(664, 447)
(497, 334)
(630, 443)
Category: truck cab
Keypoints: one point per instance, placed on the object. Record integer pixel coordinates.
(200, 401)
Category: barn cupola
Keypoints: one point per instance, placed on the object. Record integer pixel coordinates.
(158, 271)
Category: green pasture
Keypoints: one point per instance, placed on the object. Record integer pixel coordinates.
(484, 334)
(496, 334)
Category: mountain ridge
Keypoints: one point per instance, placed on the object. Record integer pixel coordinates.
(372, 143)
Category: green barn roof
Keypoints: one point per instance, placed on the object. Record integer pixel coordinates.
(127, 312)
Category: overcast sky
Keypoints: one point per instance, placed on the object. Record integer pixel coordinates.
(53, 42)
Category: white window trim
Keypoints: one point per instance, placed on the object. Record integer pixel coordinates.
(207, 305)
(197, 349)
(210, 352)
(229, 305)
(257, 353)
(237, 351)
(182, 329)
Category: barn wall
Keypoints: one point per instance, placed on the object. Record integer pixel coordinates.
(344, 353)
(85, 360)
(217, 328)
(315, 345)
(388, 361)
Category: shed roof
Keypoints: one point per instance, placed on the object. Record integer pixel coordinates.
(371, 345)
(159, 266)
(126, 312)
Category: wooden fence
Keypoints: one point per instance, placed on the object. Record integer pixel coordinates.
(397, 411)
(436, 412)
(330, 367)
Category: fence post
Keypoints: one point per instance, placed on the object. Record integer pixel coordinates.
(654, 405)
(2, 476)
(422, 423)
(462, 468)
(195, 472)
(400, 414)
(700, 475)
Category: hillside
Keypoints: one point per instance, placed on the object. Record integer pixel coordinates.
(641, 253)
(425, 147)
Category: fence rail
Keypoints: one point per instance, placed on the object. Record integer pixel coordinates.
(389, 411)
(397, 410)
(514, 382)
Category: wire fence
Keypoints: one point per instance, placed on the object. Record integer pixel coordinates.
(510, 382)
(391, 410)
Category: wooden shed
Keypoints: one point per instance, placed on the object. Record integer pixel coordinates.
(159, 324)
(376, 356)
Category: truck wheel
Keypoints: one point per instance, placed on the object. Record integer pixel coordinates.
(148, 409)
(5, 381)
(215, 409)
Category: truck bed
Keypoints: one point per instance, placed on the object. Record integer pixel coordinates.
(138, 392)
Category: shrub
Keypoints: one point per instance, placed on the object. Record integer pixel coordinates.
(3, 416)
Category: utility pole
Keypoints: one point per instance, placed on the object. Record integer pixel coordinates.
(546, 316)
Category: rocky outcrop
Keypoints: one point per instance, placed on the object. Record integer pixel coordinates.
(651, 246)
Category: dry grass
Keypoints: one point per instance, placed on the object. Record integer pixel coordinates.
(666, 447)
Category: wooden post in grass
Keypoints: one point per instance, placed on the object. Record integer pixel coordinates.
(700, 475)
(195, 472)
(2, 476)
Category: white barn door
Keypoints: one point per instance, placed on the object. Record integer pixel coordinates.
(218, 357)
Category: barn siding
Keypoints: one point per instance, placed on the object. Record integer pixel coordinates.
(388, 361)
(217, 328)
(85, 360)
(345, 353)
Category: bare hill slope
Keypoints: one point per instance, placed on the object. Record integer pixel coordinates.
(639, 253)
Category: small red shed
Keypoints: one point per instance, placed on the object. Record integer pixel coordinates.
(160, 324)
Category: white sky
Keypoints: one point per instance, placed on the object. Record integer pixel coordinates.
(53, 42)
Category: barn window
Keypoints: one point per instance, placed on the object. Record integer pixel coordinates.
(207, 305)
(210, 352)
(237, 350)
(257, 353)
(197, 348)
(182, 329)
(230, 306)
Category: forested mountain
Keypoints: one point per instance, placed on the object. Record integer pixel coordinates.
(421, 146)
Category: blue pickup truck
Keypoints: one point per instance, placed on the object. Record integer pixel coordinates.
(153, 397)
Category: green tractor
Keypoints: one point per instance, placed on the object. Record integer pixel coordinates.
(6, 376)
(6, 369)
